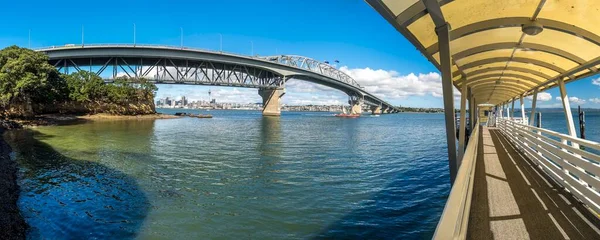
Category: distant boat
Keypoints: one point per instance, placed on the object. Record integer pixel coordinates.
(346, 115)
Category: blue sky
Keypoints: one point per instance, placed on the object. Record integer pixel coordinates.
(349, 31)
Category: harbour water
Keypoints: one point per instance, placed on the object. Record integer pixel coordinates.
(239, 175)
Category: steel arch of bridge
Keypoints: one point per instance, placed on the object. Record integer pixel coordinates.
(175, 71)
(175, 65)
(314, 66)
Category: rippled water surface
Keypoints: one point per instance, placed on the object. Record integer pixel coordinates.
(238, 175)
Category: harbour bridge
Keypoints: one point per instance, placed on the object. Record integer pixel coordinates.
(179, 65)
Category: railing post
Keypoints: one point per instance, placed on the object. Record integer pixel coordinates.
(533, 103)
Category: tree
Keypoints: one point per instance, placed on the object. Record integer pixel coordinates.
(26, 76)
(85, 87)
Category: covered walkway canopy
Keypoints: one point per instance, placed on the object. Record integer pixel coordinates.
(503, 49)
(495, 52)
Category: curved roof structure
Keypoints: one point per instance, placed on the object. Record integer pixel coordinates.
(490, 49)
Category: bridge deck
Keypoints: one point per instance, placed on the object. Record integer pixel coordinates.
(512, 199)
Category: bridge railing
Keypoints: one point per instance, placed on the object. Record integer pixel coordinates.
(571, 162)
(455, 218)
(160, 46)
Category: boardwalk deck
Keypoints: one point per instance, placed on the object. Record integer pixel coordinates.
(513, 199)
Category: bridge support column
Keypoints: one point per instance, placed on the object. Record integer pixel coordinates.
(271, 101)
(386, 110)
(356, 107)
(376, 110)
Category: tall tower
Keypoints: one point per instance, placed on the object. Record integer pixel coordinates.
(209, 97)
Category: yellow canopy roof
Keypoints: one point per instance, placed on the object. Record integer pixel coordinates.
(490, 50)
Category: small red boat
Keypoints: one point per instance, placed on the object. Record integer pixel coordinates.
(344, 115)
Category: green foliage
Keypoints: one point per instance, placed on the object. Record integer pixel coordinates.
(26, 75)
(85, 87)
(27, 79)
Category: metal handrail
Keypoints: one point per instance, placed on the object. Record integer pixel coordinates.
(573, 168)
(455, 218)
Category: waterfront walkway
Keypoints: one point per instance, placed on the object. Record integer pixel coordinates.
(513, 199)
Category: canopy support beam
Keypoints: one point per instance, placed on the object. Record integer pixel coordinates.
(533, 104)
(470, 98)
(462, 130)
(442, 28)
(448, 93)
(511, 114)
(567, 109)
(523, 118)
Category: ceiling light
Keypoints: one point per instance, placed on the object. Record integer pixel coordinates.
(532, 28)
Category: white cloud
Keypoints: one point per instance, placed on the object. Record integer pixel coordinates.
(595, 100)
(392, 85)
(576, 100)
(596, 81)
(387, 84)
(542, 96)
(573, 100)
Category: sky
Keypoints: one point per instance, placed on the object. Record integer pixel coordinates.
(367, 47)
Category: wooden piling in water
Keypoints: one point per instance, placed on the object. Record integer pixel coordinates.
(581, 122)
(539, 120)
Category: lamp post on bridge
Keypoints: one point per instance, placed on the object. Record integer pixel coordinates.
(220, 43)
(181, 37)
(82, 32)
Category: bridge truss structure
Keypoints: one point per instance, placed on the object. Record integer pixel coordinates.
(174, 71)
(176, 65)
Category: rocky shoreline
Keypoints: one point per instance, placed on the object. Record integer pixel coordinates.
(59, 119)
(11, 222)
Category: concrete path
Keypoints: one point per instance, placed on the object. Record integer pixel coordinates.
(513, 199)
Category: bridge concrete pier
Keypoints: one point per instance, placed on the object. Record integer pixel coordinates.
(376, 110)
(356, 107)
(386, 110)
(271, 101)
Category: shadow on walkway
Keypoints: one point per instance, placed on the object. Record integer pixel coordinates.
(514, 199)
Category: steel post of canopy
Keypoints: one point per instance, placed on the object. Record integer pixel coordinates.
(447, 89)
(533, 103)
(442, 28)
(523, 120)
(461, 130)
(511, 114)
(567, 109)
(470, 99)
